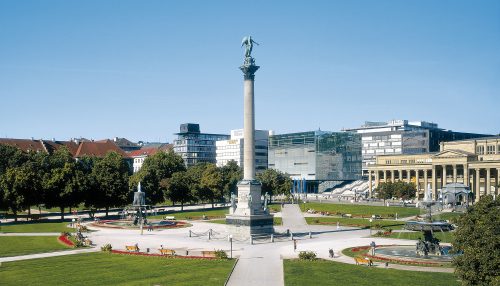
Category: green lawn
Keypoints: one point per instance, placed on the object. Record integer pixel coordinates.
(114, 269)
(447, 216)
(442, 236)
(196, 214)
(21, 245)
(36, 227)
(358, 222)
(276, 221)
(326, 273)
(361, 210)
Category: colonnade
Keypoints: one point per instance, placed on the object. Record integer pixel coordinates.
(478, 178)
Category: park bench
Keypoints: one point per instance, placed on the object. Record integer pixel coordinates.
(164, 251)
(134, 248)
(171, 217)
(347, 215)
(361, 260)
(208, 254)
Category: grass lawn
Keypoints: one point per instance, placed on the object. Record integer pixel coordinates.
(276, 221)
(36, 227)
(447, 216)
(114, 269)
(358, 222)
(323, 272)
(196, 214)
(442, 236)
(20, 245)
(361, 210)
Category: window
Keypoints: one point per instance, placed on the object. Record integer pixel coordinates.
(490, 149)
(480, 150)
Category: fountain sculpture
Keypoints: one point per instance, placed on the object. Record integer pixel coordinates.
(430, 244)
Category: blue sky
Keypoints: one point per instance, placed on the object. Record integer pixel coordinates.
(137, 69)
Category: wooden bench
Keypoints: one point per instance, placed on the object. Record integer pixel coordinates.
(169, 217)
(208, 254)
(164, 251)
(361, 260)
(134, 248)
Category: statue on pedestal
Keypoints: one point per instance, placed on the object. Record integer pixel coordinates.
(248, 42)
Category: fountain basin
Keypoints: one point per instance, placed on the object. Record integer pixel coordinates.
(428, 226)
(405, 253)
(129, 224)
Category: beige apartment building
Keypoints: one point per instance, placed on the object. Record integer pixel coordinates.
(473, 162)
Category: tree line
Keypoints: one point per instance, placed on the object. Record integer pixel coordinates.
(30, 179)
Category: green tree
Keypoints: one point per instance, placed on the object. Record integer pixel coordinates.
(110, 182)
(155, 172)
(399, 189)
(62, 182)
(13, 183)
(10, 157)
(211, 183)
(195, 173)
(231, 175)
(478, 236)
(178, 188)
(275, 182)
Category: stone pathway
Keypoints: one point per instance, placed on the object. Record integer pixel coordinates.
(48, 254)
(293, 218)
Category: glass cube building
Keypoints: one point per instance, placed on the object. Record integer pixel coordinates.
(317, 156)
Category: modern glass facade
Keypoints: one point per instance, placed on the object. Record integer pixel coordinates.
(194, 146)
(317, 155)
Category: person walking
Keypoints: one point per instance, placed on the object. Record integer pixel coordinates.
(330, 251)
(294, 245)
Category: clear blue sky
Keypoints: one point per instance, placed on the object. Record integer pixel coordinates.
(137, 69)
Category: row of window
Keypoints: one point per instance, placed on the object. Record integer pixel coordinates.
(490, 149)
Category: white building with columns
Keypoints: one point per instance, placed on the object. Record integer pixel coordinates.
(232, 149)
(473, 162)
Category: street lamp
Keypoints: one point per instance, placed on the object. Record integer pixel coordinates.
(371, 220)
(231, 241)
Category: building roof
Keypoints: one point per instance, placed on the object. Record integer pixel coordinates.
(148, 151)
(98, 149)
(26, 145)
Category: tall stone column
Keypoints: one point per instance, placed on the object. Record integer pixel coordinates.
(478, 183)
(392, 176)
(434, 182)
(416, 180)
(497, 182)
(370, 185)
(408, 176)
(385, 176)
(426, 188)
(466, 175)
(454, 173)
(487, 184)
(376, 178)
(444, 177)
(248, 217)
(400, 175)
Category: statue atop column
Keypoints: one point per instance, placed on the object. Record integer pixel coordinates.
(248, 68)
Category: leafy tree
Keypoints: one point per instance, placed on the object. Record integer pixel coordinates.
(13, 183)
(155, 172)
(478, 236)
(211, 183)
(11, 157)
(195, 173)
(62, 181)
(231, 175)
(110, 182)
(178, 188)
(389, 190)
(275, 182)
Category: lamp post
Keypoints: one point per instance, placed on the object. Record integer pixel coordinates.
(371, 220)
(231, 241)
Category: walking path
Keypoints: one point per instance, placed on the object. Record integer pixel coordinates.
(293, 219)
(48, 254)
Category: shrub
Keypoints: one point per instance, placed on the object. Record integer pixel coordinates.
(307, 255)
(316, 220)
(106, 247)
(220, 254)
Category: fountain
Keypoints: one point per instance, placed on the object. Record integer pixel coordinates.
(430, 244)
(135, 216)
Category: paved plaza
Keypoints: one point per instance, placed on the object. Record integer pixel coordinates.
(259, 263)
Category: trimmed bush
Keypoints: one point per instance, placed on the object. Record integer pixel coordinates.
(307, 255)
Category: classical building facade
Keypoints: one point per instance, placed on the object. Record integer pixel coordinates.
(403, 137)
(473, 162)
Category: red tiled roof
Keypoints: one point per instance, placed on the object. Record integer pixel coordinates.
(98, 149)
(26, 145)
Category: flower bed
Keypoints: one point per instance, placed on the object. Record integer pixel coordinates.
(64, 239)
(123, 252)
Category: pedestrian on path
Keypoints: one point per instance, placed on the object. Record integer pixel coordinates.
(294, 245)
(330, 251)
